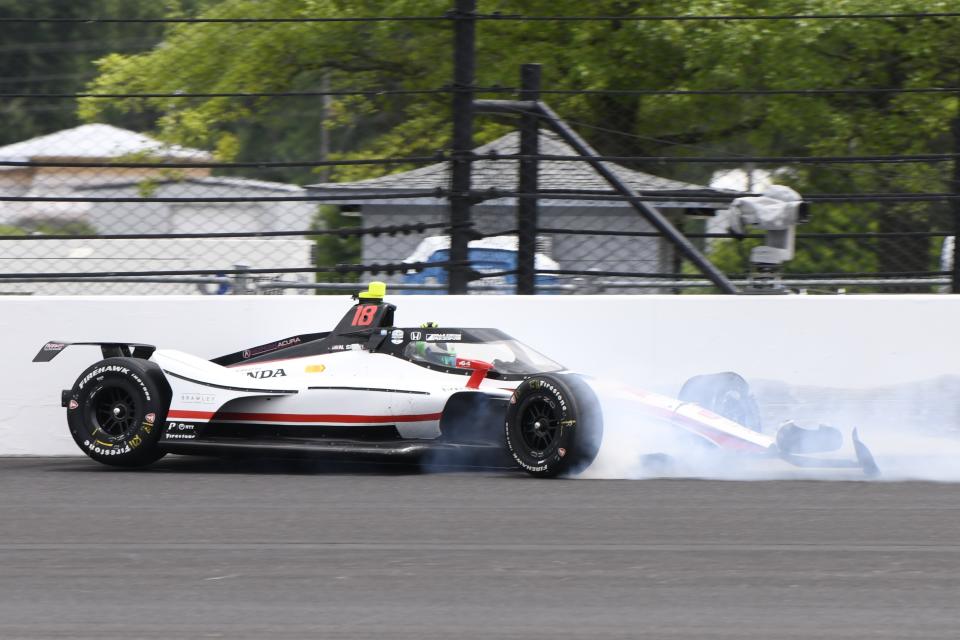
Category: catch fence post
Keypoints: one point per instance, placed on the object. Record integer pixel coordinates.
(527, 205)
(464, 61)
(955, 211)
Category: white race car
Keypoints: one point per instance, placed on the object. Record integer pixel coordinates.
(369, 388)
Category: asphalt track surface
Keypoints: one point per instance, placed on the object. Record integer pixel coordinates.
(210, 549)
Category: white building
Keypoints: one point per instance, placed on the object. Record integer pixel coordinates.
(101, 143)
(197, 202)
(642, 252)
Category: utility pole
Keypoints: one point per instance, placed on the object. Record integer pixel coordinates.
(464, 61)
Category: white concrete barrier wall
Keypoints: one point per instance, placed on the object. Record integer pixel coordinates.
(651, 341)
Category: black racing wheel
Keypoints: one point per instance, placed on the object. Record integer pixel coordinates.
(554, 425)
(726, 394)
(116, 410)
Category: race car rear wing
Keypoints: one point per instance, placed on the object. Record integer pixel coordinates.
(52, 349)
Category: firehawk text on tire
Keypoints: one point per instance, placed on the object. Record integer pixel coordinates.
(116, 409)
(553, 425)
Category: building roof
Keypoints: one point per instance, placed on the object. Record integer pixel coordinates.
(214, 181)
(98, 142)
(501, 174)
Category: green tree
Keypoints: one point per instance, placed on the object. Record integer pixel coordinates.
(603, 54)
(57, 57)
(332, 250)
(859, 54)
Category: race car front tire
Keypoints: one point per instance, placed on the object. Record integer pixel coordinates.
(116, 409)
(554, 425)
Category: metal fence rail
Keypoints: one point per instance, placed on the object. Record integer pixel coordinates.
(526, 194)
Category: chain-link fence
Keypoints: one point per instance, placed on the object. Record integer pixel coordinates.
(288, 159)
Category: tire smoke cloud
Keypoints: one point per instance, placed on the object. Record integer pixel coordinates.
(912, 430)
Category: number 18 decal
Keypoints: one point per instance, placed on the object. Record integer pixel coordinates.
(364, 315)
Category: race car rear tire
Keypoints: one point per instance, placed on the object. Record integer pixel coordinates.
(726, 394)
(554, 425)
(116, 410)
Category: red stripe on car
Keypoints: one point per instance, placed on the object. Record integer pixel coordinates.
(188, 415)
(713, 434)
(299, 417)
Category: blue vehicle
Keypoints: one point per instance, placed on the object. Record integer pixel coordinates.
(489, 255)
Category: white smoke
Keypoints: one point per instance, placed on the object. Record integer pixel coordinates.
(912, 430)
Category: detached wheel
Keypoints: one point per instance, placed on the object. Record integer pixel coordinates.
(553, 425)
(116, 410)
(726, 394)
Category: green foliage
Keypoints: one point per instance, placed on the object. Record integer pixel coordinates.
(58, 227)
(861, 54)
(583, 55)
(332, 250)
(48, 227)
(58, 57)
